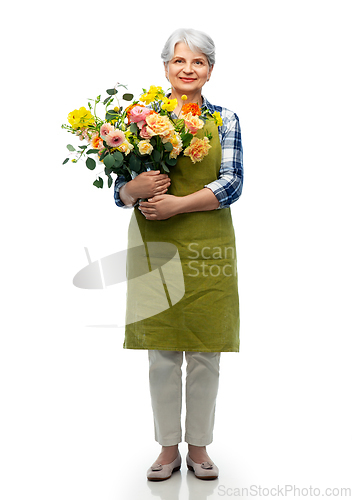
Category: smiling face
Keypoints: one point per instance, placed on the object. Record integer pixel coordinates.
(187, 71)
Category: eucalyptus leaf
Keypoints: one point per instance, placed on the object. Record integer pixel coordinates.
(91, 164)
(168, 146)
(111, 115)
(65, 161)
(164, 167)
(127, 97)
(118, 158)
(92, 151)
(109, 160)
(70, 147)
(134, 128)
(109, 181)
(111, 91)
(171, 161)
(98, 183)
(156, 155)
(135, 163)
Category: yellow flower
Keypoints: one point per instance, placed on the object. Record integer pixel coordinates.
(79, 118)
(145, 148)
(184, 97)
(152, 94)
(126, 147)
(169, 104)
(198, 149)
(217, 118)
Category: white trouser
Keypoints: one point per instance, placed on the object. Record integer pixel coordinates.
(202, 382)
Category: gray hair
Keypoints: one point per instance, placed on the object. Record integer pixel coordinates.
(196, 40)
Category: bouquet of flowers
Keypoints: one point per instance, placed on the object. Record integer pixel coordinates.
(143, 136)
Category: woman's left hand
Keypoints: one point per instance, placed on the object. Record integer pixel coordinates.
(160, 207)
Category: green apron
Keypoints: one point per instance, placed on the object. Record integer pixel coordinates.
(182, 290)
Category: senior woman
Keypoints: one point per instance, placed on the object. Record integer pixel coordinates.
(189, 208)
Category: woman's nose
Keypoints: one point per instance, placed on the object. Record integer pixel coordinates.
(188, 67)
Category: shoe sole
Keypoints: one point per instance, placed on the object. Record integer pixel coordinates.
(164, 478)
(201, 477)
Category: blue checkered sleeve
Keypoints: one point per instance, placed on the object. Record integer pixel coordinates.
(228, 187)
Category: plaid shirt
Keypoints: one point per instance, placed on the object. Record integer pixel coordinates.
(228, 187)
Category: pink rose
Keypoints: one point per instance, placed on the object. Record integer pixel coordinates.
(139, 114)
(193, 123)
(144, 133)
(115, 138)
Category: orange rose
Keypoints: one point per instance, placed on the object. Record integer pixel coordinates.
(97, 142)
(198, 149)
(159, 125)
(193, 123)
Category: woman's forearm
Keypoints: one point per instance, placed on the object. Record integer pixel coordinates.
(199, 201)
(127, 194)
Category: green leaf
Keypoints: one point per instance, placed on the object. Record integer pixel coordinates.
(111, 115)
(109, 181)
(92, 151)
(156, 155)
(65, 161)
(70, 147)
(118, 158)
(111, 91)
(135, 163)
(98, 183)
(168, 146)
(171, 161)
(91, 164)
(127, 97)
(82, 147)
(134, 128)
(186, 139)
(106, 100)
(164, 167)
(109, 160)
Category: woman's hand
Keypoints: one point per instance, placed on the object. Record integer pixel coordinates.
(160, 207)
(149, 184)
(145, 185)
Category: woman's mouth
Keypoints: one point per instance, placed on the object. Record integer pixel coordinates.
(187, 80)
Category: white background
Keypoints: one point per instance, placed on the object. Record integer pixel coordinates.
(76, 420)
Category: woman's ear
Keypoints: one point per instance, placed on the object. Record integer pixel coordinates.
(210, 72)
(166, 66)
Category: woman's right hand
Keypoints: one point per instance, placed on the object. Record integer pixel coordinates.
(146, 185)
